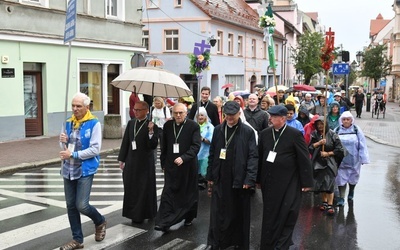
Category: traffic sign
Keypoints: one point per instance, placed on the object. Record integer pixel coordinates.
(70, 22)
(340, 69)
(383, 83)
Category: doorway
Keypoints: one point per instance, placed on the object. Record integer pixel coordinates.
(112, 92)
(33, 103)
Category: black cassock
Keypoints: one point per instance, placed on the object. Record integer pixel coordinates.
(180, 195)
(140, 197)
(230, 203)
(281, 183)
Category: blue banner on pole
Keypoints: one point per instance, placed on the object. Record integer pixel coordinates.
(70, 22)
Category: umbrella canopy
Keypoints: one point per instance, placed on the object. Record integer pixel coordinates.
(280, 87)
(243, 93)
(154, 62)
(320, 87)
(227, 85)
(271, 94)
(303, 87)
(152, 81)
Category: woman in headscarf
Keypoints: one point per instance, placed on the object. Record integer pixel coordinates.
(327, 153)
(353, 140)
(333, 115)
(206, 132)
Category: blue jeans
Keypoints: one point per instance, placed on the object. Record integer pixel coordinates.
(77, 194)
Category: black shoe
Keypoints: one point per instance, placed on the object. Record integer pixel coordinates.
(187, 223)
(160, 228)
(137, 222)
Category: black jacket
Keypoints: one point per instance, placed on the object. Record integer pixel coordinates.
(246, 155)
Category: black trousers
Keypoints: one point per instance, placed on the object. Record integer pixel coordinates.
(359, 109)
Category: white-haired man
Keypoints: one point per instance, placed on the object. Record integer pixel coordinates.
(82, 143)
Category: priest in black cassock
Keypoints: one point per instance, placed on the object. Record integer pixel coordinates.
(284, 171)
(180, 145)
(136, 159)
(231, 174)
(211, 108)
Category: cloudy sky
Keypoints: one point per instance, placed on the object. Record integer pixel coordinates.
(349, 19)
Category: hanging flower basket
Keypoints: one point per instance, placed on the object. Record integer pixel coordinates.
(266, 21)
(199, 63)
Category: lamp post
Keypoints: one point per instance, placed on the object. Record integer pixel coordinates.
(359, 56)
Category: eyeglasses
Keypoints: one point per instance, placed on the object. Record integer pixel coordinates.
(178, 113)
(138, 110)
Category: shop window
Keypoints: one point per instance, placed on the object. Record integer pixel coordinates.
(90, 83)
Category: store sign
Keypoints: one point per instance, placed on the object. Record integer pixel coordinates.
(7, 73)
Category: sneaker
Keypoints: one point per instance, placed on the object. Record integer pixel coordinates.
(100, 231)
(71, 245)
(340, 203)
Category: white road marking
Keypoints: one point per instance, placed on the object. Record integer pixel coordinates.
(46, 227)
(175, 244)
(114, 236)
(17, 210)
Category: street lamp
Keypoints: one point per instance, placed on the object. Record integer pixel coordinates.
(359, 56)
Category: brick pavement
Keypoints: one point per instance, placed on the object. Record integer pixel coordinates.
(39, 151)
(385, 131)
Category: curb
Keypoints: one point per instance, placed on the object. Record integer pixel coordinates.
(26, 166)
(377, 140)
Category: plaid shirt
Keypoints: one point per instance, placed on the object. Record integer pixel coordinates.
(72, 168)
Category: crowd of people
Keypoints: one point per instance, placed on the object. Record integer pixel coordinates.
(229, 147)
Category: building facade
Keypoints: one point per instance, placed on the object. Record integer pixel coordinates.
(172, 28)
(35, 61)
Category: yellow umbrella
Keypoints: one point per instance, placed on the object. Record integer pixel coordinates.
(280, 87)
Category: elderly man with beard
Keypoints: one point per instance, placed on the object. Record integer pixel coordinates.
(284, 171)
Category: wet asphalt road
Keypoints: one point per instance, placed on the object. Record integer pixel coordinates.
(371, 221)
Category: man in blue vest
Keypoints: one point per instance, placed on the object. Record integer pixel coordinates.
(80, 155)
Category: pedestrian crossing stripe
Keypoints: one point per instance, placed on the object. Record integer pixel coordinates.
(180, 244)
(114, 236)
(30, 232)
(17, 210)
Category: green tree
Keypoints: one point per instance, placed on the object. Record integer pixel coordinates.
(307, 54)
(375, 63)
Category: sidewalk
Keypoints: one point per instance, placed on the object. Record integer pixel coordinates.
(39, 151)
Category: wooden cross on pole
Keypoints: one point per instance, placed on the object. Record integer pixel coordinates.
(330, 38)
